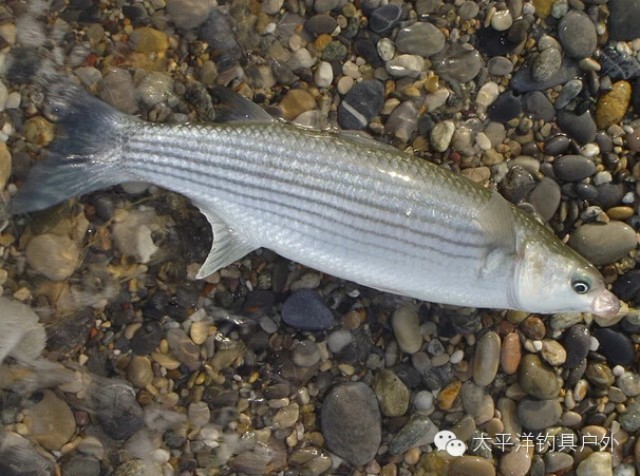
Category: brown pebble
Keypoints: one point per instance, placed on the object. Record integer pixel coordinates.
(620, 213)
(612, 106)
(448, 395)
(534, 328)
(511, 353)
(38, 131)
(471, 466)
(149, 40)
(295, 102)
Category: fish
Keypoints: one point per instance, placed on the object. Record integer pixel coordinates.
(339, 202)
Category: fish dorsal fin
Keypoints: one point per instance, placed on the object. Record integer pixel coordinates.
(228, 246)
(496, 220)
(236, 107)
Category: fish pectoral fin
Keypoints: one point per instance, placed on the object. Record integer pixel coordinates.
(228, 246)
(496, 220)
(237, 108)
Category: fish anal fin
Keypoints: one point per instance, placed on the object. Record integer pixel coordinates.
(228, 246)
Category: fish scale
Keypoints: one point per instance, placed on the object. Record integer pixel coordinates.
(340, 203)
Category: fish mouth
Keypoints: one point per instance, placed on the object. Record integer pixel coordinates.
(606, 304)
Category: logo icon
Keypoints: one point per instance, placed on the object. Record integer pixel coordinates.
(447, 441)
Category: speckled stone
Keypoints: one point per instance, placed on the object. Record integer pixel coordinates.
(393, 395)
(350, 420)
(577, 34)
(612, 105)
(546, 64)
(603, 243)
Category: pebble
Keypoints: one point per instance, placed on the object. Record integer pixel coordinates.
(133, 235)
(117, 410)
(582, 128)
(361, 104)
(38, 131)
(546, 64)
(573, 168)
(538, 106)
(617, 347)
(577, 34)
(502, 20)
(537, 379)
(406, 329)
(556, 461)
(21, 334)
(50, 421)
(458, 64)
(305, 354)
(199, 331)
(477, 402)
(117, 88)
(505, 107)
(405, 65)
(499, 65)
(149, 40)
(545, 198)
(155, 88)
(351, 422)
(470, 466)
(198, 414)
(183, 348)
(295, 102)
(188, 14)
(612, 105)
(603, 243)
(287, 416)
(403, 121)
(597, 463)
(393, 395)
(629, 383)
(441, 135)
(139, 371)
(516, 462)
(385, 18)
(511, 353)
(54, 256)
(81, 465)
(320, 24)
(486, 358)
(418, 431)
(538, 414)
(568, 93)
(323, 75)
(421, 38)
(553, 352)
(306, 310)
(623, 19)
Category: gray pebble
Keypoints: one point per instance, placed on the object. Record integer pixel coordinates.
(421, 38)
(117, 89)
(517, 184)
(603, 243)
(351, 422)
(556, 145)
(624, 19)
(539, 414)
(406, 328)
(546, 64)
(569, 92)
(522, 81)
(581, 128)
(417, 432)
(403, 121)
(458, 64)
(19, 457)
(556, 461)
(385, 18)
(573, 168)
(577, 34)
(306, 310)
(361, 104)
(545, 198)
(499, 65)
(306, 354)
(117, 410)
(405, 65)
(597, 463)
(629, 383)
(477, 402)
(537, 105)
(188, 14)
(183, 348)
(319, 24)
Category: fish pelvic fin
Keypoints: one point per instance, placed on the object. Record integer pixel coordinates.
(85, 156)
(228, 246)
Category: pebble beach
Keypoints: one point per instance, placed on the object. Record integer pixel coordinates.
(116, 360)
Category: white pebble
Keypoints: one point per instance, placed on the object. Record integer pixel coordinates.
(349, 68)
(618, 370)
(323, 75)
(13, 100)
(487, 94)
(590, 150)
(441, 135)
(483, 141)
(501, 21)
(386, 49)
(338, 340)
(423, 400)
(456, 357)
(593, 344)
(437, 99)
(602, 177)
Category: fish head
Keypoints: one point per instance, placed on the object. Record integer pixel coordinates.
(550, 277)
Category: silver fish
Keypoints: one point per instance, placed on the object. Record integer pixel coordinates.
(343, 204)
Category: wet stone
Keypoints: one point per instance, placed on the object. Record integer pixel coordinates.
(477, 402)
(319, 24)
(188, 14)
(573, 168)
(361, 104)
(624, 19)
(146, 338)
(556, 461)
(577, 34)
(471, 466)
(599, 374)
(517, 184)
(351, 421)
(81, 465)
(421, 38)
(577, 341)
(499, 65)
(183, 348)
(627, 286)
(393, 395)
(117, 89)
(629, 383)
(458, 64)
(406, 328)
(545, 198)
(505, 108)
(537, 379)
(50, 421)
(385, 18)
(597, 463)
(118, 411)
(412, 434)
(603, 243)
(516, 462)
(582, 128)
(612, 105)
(19, 457)
(486, 358)
(538, 414)
(306, 310)
(556, 145)
(546, 64)
(538, 106)
(306, 354)
(616, 346)
(53, 256)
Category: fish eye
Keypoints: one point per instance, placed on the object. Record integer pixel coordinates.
(580, 286)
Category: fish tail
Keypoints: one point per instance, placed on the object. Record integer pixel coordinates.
(84, 157)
